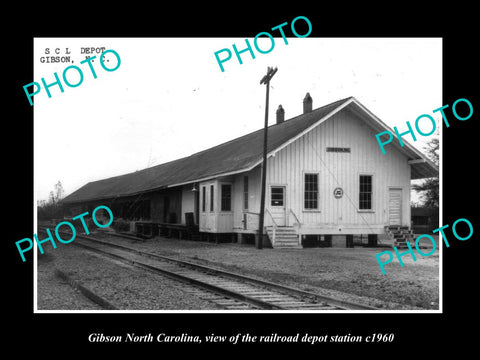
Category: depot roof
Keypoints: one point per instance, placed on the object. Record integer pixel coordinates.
(239, 155)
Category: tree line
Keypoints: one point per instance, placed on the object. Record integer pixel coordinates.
(51, 208)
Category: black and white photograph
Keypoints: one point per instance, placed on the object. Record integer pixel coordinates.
(164, 199)
(282, 185)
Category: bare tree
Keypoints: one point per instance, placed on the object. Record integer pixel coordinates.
(429, 189)
(59, 192)
(51, 209)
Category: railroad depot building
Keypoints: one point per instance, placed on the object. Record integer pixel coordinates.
(327, 180)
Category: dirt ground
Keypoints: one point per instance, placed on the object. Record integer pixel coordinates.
(346, 273)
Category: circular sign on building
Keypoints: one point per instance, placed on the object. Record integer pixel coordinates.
(338, 193)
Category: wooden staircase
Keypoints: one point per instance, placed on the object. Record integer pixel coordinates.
(400, 235)
(282, 237)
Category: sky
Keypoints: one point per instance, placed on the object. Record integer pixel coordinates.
(169, 99)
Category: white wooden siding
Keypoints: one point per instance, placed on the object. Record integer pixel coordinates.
(308, 154)
(251, 215)
(217, 221)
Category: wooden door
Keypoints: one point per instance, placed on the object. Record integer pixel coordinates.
(278, 204)
(395, 206)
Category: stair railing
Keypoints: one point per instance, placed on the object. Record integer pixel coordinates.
(274, 225)
(297, 221)
(296, 218)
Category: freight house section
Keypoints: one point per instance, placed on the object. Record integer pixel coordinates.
(325, 180)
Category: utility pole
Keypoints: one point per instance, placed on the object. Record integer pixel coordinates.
(265, 80)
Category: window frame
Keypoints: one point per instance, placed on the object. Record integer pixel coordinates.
(283, 187)
(204, 198)
(360, 192)
(317, 174)
(222, 197)
(212, 198)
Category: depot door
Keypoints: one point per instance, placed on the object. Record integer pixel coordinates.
(394, 206)
(166, 209)
(278, 204)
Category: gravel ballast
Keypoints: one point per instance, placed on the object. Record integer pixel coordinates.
(350, 274)
(125, 287)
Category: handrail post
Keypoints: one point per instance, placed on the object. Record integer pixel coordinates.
(274, 225)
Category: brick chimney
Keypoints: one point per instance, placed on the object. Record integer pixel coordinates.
(307, 103)
(280, 114)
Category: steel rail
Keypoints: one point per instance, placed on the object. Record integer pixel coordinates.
(335, 303)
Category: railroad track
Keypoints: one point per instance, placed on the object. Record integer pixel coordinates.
(228, 290)
(87, 293)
